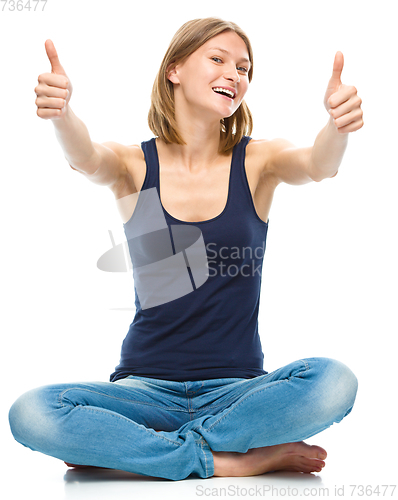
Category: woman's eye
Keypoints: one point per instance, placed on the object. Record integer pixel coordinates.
(241, 68)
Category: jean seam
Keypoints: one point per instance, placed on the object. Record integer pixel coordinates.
(204, 451)
(306, 367)
(231, 399)
(187, 392)
(62, 393)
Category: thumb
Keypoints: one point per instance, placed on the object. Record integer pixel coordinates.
(335, 80)
(53, 57)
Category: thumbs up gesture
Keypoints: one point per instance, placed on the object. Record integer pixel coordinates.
(54, 89)
(342, 101)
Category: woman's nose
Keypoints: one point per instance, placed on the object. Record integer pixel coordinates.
(232, 74)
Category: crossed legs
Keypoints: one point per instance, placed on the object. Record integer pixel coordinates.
(225, 428)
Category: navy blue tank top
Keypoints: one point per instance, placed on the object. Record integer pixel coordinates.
(189, 325)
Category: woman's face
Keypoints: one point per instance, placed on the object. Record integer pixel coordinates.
(210, 67)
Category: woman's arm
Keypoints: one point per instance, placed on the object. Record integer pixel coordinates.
(292, 165)
(344, 106)
(73, 136)
(103, 164)
(328, 151)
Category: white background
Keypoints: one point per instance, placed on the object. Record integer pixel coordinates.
(329, 275)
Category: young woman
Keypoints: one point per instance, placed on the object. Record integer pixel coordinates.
(190, 395)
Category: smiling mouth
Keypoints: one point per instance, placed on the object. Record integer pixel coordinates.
(224, 93)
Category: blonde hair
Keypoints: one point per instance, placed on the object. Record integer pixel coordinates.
(161, 117)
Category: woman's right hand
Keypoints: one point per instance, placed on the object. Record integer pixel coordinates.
(54, 89)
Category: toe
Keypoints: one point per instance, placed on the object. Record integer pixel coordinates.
(319, 452)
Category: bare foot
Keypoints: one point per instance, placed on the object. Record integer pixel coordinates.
(76, 466)
(295, 457)
(84, 466)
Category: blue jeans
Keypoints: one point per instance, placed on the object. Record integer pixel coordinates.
(114, 424)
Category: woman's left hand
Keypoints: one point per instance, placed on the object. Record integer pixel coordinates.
(342, 101)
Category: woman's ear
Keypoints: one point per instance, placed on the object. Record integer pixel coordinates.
(171, 73)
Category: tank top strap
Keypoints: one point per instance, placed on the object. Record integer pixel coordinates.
(241, 197)
(152, 175)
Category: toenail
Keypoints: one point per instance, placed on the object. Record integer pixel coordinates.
(321, 456)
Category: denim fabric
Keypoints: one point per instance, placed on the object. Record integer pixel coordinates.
(114, 424)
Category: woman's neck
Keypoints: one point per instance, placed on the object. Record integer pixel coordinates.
(200, 150)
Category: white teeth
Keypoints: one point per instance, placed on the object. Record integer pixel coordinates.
(224, 90)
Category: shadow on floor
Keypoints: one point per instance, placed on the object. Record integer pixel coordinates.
(97, 474)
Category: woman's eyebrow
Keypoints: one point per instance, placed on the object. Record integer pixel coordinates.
(226, 51)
